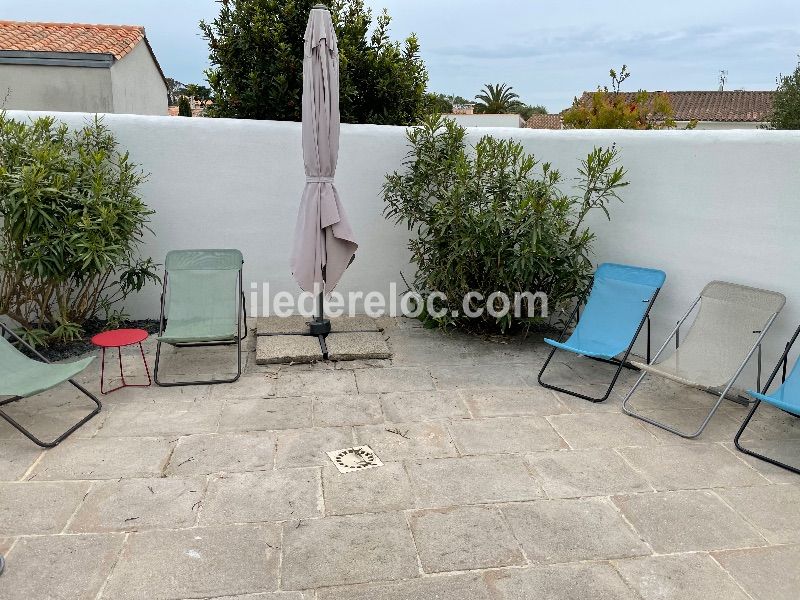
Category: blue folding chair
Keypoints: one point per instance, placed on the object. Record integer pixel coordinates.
(786, 398)
(616, 310)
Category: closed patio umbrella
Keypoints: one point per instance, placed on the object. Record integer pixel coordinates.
(324, 244)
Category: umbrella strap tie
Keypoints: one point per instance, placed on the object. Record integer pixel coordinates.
(319, 179)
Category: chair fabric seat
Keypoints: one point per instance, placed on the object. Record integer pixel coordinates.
(617, 303)
(727, 326)
(22, 376)
(787, 396)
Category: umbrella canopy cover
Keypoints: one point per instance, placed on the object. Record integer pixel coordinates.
(324, 243)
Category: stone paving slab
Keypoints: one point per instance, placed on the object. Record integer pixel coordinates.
(287, 349)
(197, 563)
(773, 510)
(307, 447)
(104, 458)
(764, 573)
(691, 466)
(475, 376)
(505, 435)
(161, 418)
(294, 382)
(579, 581)
(263, 496)
(61, 567)
(38, 508)
(361, 345)
(347, 550)
(513, 403)
(557, 531)
(362, 409)
(471, 480)
(687, 521)
(402, 441)
(139, 504)
(580, 473)
(438, 587)
(401, 407)
(383, 489)
(255, 385)
(393, 379)
(225, 452)
(602, 430)
(16, 457)
(463, 538)
(298, 324)
(262, 414)
(692, 576)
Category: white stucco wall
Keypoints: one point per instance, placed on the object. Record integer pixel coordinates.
(137, 85)
(701, 205)
(37, 87)
(488, 120)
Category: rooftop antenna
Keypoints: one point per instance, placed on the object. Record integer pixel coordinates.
(723, 79)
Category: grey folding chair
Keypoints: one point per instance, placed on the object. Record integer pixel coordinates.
(730, 324)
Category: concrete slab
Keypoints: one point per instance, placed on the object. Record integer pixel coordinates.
(257, 414)
(513, 403)
(222, 453)
(332, 411)
(556, 531)
(60, 567)
(773, 510)
(687, 521)
(197, 563)
(293, 324)
(262, 496)
(393, 379)
(38, 508)
(372, 490)
(307, 447)
(287, 349)
(577, 581)
(445, 587)
(463, 538)
(139, 504)
(357, 346)
(16, 457)
(402, 441)
(693, 576)
(602, 430)
(293, 381)
(505, 435)
(764, 573)
(402, 407)
(347, 550)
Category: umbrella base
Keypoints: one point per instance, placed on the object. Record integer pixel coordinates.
(319, 327)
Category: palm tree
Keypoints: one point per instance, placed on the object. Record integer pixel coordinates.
(497, 99)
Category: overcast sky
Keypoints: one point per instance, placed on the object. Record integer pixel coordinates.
(549, 51)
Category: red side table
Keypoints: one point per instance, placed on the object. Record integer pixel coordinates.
(117, 338)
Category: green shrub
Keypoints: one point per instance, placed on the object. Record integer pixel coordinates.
(494, 219)
(72, 224)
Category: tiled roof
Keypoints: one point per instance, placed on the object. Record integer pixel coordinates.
(544, 122)
(735, 105)
(70, 37)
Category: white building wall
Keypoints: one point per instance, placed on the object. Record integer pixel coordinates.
(137, 85)
(701, 205)
(38, 87)
(477, 120)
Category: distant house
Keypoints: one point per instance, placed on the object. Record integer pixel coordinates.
(487, 120)
(735, 109)
(548, 121)
(80, 68)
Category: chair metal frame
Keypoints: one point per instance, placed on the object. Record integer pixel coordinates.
(612, 361)
(241, 320)
(676, 334)
(28, 434)
(782, 363)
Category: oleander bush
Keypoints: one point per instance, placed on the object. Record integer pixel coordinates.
(72, 227)
(493, 218)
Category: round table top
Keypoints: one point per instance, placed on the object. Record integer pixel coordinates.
(119, 337)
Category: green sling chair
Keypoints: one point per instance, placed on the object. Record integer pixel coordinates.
(22, 377)
(202, 304)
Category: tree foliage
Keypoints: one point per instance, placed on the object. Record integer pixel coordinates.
(496, 99)
(256, 52)
(71, 226)
(614, 109)
(184, 108)
(493, 219)
(786, 103)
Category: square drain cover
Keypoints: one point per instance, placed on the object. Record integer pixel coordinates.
(357, 458)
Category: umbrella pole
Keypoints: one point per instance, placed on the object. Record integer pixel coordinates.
(320, 325)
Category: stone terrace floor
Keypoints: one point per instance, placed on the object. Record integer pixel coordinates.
(493, 487)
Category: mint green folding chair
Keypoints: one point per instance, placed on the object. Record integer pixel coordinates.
(22, 377)
(202, 304)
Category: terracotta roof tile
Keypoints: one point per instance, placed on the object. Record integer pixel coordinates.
(734, 105)
(544, 122)
(70, 37)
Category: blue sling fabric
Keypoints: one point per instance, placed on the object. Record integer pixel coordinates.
(787, 396)
(616, 305)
